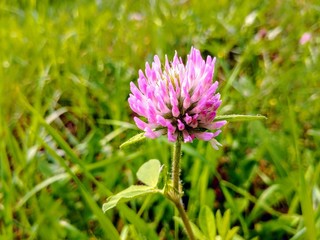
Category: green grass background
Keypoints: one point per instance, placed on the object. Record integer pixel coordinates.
(65, 68)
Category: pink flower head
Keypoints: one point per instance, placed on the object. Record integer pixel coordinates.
(178, 100)
(306, 37)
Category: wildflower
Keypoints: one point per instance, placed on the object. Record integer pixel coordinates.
(178, 100)
(306, 37)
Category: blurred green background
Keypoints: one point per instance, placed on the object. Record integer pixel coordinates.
(65, 68)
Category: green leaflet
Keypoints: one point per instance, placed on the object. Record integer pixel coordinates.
(149, 172)
(239, 117)
(207, 222)
(128, 194)
(134, 140)
(223, 223)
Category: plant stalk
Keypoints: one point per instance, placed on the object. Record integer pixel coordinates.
(176, 166)
(177, 188)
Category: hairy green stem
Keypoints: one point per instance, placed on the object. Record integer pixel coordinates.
(176, 165)
(185, 219)
(177, 188)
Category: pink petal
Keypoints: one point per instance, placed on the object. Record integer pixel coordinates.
(136, 92)
(140, 124)
(162, 107)
(174, 101)
(194, 122)
(142, 82)
(187, 137)
(206, 136)
(152, 134)
(220, 124)
(214, 125)
(187, 119)
(216, 133)
(162, 121)
(156, 65)
(172, 135)
(215, 144)
(180, 125)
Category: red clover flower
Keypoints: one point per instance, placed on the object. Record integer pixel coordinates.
(178, 100)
